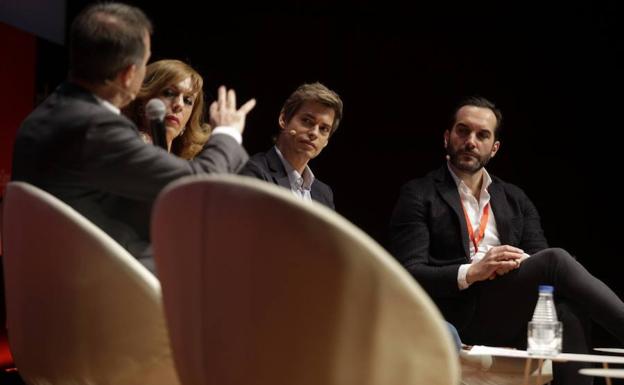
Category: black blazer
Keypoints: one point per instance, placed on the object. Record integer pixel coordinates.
(428, 235)
(268, 167)
(95, 160)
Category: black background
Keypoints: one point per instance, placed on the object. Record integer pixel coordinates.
(554, 70)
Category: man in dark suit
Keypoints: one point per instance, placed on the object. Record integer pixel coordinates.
(475, 244)
(77, 146)
(308, 118)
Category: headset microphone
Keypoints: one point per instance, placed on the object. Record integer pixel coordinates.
(292, 132)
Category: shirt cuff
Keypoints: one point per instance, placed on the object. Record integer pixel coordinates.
(461, 276)
(231, 131)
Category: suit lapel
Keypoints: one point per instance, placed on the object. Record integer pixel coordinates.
(448, 190)
(317, 195)
(278, 172)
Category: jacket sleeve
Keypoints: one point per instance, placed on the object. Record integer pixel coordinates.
(532, 239)
(118, 161)
(410, 244)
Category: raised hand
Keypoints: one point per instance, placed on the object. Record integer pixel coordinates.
(223, 111)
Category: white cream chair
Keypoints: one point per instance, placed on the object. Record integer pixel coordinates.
(80, 309)
(262, 288)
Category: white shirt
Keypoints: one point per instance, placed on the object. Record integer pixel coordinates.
(300, 185)
(474, 211)
(108, 105)
(231, 131)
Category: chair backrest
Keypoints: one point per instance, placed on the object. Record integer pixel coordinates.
(262, 288)
(80, 309)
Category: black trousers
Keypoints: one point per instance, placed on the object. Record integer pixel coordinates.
(505, 306)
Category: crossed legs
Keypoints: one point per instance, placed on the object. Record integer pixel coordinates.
(505, 306)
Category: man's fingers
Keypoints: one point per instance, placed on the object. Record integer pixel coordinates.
(213, 107)
(505, 256)
(508, 248)
(222, 98)
(504, 267)
(231, 100)
(245, 108)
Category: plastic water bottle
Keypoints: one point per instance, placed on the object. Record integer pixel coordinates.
(545, 331)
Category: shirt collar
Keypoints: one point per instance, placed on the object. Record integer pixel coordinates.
(108, 105)
(487, 180)
(297, 180)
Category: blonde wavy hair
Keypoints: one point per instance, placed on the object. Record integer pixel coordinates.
(160, 75)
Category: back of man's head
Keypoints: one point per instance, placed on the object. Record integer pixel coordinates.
(105, 38)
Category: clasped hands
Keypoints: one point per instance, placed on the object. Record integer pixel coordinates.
(499, 260)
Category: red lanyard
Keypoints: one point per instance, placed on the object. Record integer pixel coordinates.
(482, 225)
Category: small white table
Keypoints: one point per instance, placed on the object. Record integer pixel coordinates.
(607, 373)
(610, 350)
(562, 357)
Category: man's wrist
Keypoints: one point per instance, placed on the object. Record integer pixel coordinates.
(230, 131)
(462, 276)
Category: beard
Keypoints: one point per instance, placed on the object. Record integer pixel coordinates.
(476, 163)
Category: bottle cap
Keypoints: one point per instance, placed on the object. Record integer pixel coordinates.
(546, 289)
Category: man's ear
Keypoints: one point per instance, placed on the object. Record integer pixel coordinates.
(281, 121)
(495, 148)
(127, 75)
(446, 138)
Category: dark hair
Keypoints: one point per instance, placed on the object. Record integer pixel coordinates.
(315, 92)
(105, 38)
(479, 101)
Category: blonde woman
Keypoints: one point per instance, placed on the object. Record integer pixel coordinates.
(179, 86)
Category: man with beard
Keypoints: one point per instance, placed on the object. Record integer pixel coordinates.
(475, 244)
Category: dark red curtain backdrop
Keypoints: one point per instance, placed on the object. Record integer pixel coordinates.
(17, 76)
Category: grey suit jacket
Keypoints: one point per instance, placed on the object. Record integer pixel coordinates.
(95, 160)
(268, 167)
